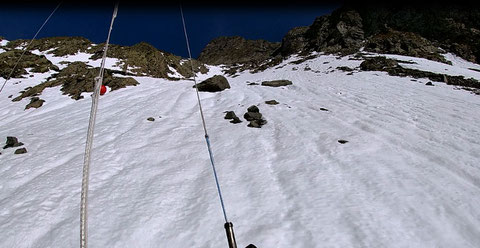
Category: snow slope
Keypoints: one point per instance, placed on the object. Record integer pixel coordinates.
(408, 177)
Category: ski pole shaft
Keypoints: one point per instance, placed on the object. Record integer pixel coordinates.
(230, 235)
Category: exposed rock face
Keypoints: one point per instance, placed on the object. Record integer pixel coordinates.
(214, 84)
(77, 78)
(145, 59)
(404, 43)
(405, 29)
(347, 35)
(60, 46)
(29, 60)
(294, 41)
(237, 50)
(454, 27)
(276, 83)
(340, 32)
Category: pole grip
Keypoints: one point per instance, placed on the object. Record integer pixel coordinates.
(230, 235)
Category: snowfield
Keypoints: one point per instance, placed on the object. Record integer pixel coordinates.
(409, 175)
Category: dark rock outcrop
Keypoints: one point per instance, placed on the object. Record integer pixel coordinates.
(214, 84)
(276, 83)
(230, 115)
(453, 26)
(35, 102)
(404, 43)
(59, 46)
(12, 142)
(237, 50)
(341, 32)
(392, 67)
(77, 78)
(144, 59)
(38, 63)
(271, 102)
(412, 29)
(294, 41)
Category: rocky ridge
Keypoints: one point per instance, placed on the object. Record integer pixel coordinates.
(419, 30)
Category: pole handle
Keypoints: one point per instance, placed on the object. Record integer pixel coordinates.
(230, 235)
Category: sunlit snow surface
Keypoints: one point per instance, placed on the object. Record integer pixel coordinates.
(408, 177)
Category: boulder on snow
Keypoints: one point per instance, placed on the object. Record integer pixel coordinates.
(230, 115)
(271, 102)
(250, 116)
(253, 109)
(21, 151)
(257, 123)
(12, 142)
(277, 83)
(235, 120)
(214, 84)
(35, 102)
(254, 116)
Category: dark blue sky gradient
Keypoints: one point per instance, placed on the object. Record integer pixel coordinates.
(159, 25)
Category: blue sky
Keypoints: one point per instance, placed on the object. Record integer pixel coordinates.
(159, 25)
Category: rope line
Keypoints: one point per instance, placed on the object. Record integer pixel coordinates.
(207, 139)
(26, 48)
(89, 142)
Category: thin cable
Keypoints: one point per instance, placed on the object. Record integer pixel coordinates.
(88, 146)
(26, 48)
(203, 118)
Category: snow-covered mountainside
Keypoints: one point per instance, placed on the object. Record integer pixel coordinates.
(409, 175)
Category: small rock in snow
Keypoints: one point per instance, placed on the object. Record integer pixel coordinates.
(21, 151)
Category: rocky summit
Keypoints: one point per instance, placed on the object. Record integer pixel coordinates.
(419, 30)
